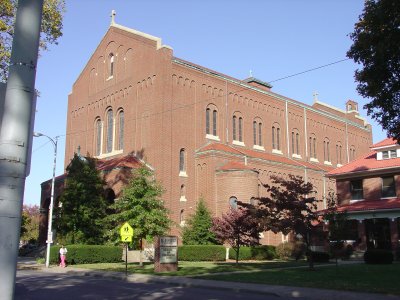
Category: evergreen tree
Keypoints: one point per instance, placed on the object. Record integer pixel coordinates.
(82, 205)
(141, 206)
(198, 227)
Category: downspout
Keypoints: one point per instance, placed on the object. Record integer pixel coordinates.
(305, 132)
(226, 111)
(347, 145)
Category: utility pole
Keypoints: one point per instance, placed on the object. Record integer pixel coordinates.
(16, 136)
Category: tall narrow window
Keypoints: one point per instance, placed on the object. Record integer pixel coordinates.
(121, 122)
(110, 130)
(327, 156)
(273, 138)
(111, 67)
(297, 143)
(388, 187)
(240, 129)
(260, 134)
(278, 138)
(214, 122)
(315, 147)
(182, 165)
(208, 121)
(234, 128)
(254, 133)
(293, 146)
(98, 137)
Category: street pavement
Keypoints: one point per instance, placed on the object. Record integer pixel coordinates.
(241, 288)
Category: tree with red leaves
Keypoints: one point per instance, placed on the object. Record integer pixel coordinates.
(290, 207)
(238, 228)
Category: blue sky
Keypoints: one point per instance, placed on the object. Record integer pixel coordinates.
(273, 39)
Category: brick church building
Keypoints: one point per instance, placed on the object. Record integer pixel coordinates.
(206, 134)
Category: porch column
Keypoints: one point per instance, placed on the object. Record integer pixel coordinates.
(394, 234)
(362, 235)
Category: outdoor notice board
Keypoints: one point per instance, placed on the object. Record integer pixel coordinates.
(166, 253)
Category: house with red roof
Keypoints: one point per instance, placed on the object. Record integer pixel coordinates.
(368, 189)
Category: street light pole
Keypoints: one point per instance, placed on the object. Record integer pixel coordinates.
(49, 239)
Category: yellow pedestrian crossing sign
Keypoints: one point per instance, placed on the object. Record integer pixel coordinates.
(126, 232)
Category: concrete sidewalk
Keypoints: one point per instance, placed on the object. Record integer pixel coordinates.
(279, 291)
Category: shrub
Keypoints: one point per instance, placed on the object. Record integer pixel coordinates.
(288, 250)
(201, 252)
(319, 257)
(378, 256)
(264, 252)
(87, 254)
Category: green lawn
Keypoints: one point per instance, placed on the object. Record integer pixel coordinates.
(194, 268)
(355, 277)
(359, 277)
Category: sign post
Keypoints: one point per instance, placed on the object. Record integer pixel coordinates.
(126, 232)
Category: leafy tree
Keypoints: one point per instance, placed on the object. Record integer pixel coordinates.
(51, 30)
(238, 228)
(376, 40)
(30, 223)
(83, 205)
(141, 206)
(197, 229)
(290, 207)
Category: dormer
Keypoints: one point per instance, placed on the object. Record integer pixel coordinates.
(387, 149)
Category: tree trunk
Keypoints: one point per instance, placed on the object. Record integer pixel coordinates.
(140, 255)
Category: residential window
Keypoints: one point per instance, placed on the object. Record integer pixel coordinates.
(233, 202)
(98, 137)
(393, 153)
(388, 187)
(356, 189)
(110, 130)
(182, 165)
(121, 121)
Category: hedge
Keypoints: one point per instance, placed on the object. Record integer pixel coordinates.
(378, 256)
(319, 257)
(264, 252)
(88, 254)
(201, 253)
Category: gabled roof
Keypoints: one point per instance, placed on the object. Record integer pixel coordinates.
(129, 161)
(385, 143)
(368, 163)
(234, 165)
(228, 149)
(370, 205)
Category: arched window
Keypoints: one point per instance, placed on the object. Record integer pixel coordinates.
(110, 130)
(327, 156)
(295, 142)
(254, 133)
(211, 121)
(276, 137)
(98, 137)
(338, 153)
(240, 129)
(182, 217)
(111, 65)
(257, 132)
(233, 202)
(313, 147)
(234, 128)
(182, 163)
(121, 121)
